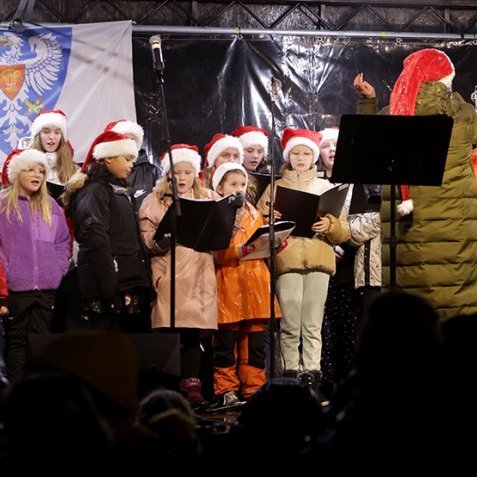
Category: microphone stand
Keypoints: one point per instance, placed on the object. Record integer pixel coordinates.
(159, 73)
(274, 88)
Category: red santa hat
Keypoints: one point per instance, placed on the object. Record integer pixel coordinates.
(329, 133)
(252, 136)
(110, 144)
(20, 160)
(218, 144)
(128, 128)
(423, 66)
(300, 137)
(46, 119)
(182, 153)
(223, 169)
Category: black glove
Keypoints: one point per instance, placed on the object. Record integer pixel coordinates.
(164, 245)
(237, 200)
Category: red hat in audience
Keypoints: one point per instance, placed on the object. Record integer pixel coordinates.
(19, 160)
(300, 137)
(128, 128)
(218, 144)
(182, 153)
(110, 144)
(223, 169)
(56, 118)
(252, 136)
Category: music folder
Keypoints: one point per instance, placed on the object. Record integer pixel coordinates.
(305, 209)
(205, 225)
(260, 239)
(383, 149)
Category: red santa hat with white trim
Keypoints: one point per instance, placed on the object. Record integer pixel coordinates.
(218, 144)
(110, 144)
(128, 128)
(182, 153)
(223, 169)
(20, 160)
(423, 66)
(47, 119)
(300, 137)
(252, 136)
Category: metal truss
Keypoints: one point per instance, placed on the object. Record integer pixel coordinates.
(424, 16)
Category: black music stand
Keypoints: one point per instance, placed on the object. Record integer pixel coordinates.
(392, 150)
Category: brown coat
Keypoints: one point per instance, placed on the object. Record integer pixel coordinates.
(243, 285)
(310, 254)
(196, 289)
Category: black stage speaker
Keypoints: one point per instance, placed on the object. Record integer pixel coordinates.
(156, 350)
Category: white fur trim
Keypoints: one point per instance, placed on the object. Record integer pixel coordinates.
(329, 133)
(123, 147)
(130, 128)
(181, 155)
(23, 161)
(301, 141)
(223, 169)
(405, 207)
(221, 145)
(46, 120)
(254, 138)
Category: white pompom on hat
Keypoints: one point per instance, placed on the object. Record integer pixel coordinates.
(182, 153)
(252, 136)
(20, 160)
(218, 144)
(223, 169)
(300, 137)
(46, 119)
(128, 128)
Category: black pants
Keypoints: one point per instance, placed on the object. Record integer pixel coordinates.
(30, 312)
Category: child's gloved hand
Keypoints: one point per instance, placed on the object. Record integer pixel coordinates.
(242, 250)
(237, 200)
(280, 245)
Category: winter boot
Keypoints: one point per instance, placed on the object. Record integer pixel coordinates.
(311, 379)
(191, 388)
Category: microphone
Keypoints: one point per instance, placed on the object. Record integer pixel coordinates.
(155, 41)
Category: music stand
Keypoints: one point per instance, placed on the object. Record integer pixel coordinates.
(392, 150)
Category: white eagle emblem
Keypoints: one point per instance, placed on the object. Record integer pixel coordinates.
(29, 71)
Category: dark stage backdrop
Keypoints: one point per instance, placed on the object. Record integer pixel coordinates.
(215, 83)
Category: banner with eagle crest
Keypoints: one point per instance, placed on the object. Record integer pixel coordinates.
(84, 70)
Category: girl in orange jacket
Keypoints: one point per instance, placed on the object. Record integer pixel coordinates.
(243, 288)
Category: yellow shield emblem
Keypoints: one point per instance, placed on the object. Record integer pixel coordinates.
(11, 79)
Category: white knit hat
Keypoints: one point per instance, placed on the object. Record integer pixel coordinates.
(223, 169)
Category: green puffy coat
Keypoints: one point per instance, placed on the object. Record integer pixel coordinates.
(437, 243)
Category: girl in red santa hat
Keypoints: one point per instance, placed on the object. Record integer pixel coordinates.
(34, 248)
(144, 174)
(196, 287)
(112, 263)
(49, 134)
(443, 221)
(305, 266)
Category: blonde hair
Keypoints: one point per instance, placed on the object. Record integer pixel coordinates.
(40, 201)
(164, 187)
(65, 165)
